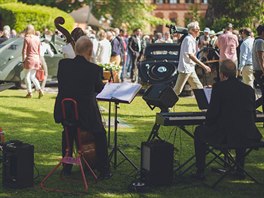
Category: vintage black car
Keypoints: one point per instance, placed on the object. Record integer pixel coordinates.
(159, 63)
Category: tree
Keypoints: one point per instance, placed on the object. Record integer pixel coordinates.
(65, 5)
(131, 13)
(239, 12)
(134, 13)
(193, 15)
(19, 15)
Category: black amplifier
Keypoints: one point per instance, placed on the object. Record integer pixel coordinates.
(18, 164)
(157, 159)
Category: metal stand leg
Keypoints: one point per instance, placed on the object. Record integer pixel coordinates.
(109, 124)
(116, 148)
(154, 132)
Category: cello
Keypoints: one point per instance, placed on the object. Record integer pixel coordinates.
(87, 139)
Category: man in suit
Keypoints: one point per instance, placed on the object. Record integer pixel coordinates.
(81, 80)
(229, 118)
(135, 48)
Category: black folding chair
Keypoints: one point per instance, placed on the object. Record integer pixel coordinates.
(228, 161)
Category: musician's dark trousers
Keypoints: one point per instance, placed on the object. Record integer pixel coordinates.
(101, 152)
(201, 144)
(72, 135)
(133, 72)
(102, 164)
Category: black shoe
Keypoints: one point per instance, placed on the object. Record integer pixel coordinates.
(66, 173)
(198, 176)
(105, 175)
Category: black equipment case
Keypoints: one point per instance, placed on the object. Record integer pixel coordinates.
(157, 162)
(18, 164)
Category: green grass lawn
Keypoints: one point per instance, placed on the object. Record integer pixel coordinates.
(31, 121)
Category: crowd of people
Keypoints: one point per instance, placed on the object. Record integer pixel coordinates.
(115, 46)
(238, 46)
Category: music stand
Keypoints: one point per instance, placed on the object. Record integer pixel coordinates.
(118, 93)
(203, 97)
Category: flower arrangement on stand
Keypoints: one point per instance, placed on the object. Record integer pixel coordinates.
(108, 68)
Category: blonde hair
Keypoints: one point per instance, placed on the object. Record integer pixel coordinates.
(101, 34)
(29, 29)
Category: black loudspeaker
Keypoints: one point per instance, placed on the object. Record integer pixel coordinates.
(18, 164)
(157, 71)
(160, 95)
(157, 162)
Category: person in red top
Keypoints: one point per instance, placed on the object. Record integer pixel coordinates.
(31, 60)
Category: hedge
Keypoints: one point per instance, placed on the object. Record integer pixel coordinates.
(8, 1)
(19, 15)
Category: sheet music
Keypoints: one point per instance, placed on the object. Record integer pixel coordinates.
(124, 92)
(208, 93)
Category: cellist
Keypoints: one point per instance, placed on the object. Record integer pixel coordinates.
(81, 79)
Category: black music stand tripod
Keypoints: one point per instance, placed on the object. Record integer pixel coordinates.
(116, 149)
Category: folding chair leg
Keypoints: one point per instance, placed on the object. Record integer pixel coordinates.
(70, 160)
(42, 183)
(83, 174)
(231, 167)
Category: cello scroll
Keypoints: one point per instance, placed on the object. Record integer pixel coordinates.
(60, 21)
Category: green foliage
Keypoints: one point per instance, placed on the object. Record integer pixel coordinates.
(66, 5)
(7, 1)
(19, 15)
(132, 14)
(240, 13)
(128, 14)
(193, 15)
(110, 66)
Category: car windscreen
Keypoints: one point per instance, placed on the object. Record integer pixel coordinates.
(10, 51)
(162, 51)
(7, 42)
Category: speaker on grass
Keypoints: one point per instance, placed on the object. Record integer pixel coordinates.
(157, 162)
(160, 95)
(18, 163)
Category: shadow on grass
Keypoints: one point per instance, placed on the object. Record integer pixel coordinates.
(20, 97)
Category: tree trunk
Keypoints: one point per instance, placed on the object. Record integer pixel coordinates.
(210, 15)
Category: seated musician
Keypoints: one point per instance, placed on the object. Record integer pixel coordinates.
(229, 119)
(80, 79)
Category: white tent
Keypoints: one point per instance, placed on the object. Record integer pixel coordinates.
(84, 16)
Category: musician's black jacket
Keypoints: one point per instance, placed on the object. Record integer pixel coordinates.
(81, 80)
(230, 117)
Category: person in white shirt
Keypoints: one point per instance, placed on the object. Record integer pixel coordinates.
(204, 40)
(67, 50)
(167, 38)
(159, 38)
(188, 60)
(45, 48)
(245, 59)
(104, 49)
(92, 35)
